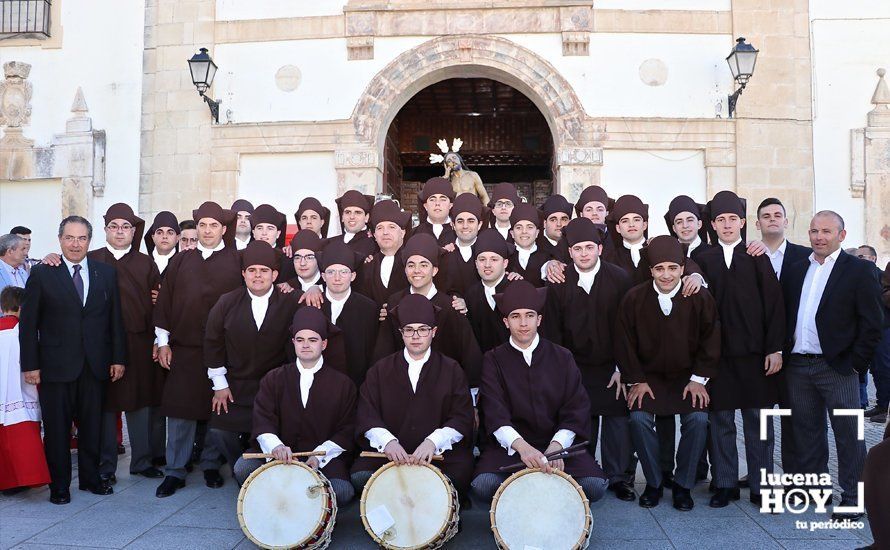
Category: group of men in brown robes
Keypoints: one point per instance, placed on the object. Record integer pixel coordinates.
(517, 330)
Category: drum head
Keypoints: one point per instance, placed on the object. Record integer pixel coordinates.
(275, 507)
(540, 510)
(417, 499)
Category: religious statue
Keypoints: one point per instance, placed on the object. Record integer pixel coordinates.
(463, 180)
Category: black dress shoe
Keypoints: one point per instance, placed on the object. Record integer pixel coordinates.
(651, 496)
(213, 479)
(169, 486)
(722, 497)
(682, 499)
(108, 479)
(667, 480)
(852, 516)
(756, 499)
(101, 489)
(149, 472)
(623, 490)
(62, 496)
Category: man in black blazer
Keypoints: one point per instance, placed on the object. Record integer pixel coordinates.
(72, 342)
(834, 317)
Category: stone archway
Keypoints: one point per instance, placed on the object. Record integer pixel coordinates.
(577, 156)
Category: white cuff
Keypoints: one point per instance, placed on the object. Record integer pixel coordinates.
(268, 442)
(474, 395)
(544, 269)
(379, 438)
(564, 438)
(444, 439)
(700, 379)
(163, 337)
(218, 376)
(506, 435)
(704, 283)
(332, 451)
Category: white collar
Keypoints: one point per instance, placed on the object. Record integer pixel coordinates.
(70, 264)
(264, 297)
(155, 254)
(417, 362)
(670, 294)
(636, 246)
(447, 221)
(531, 250)
(833, 257)
(551, 241)
(430, 293)
(118, 254)
(491, 288)
(206, 252)
(731, 245)
(781, 250)
(313, 370)
(327, 293)
(306, 283)
(530, 349)
(590, 276)
(457, 244)
(693, 245)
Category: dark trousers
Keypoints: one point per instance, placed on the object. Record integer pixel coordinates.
(666, 429)
(693, 434)
(880, 370)
(616, 448)
(61, 403)
(817, 390)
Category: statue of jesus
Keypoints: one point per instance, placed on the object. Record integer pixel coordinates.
(464, 180)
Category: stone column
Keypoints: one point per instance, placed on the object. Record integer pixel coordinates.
(877, 172)
(577, 168)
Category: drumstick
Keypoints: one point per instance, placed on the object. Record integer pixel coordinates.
(295, 455)
(574, 450)
(368, 454)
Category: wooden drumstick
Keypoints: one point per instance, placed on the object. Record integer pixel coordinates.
(295, 455)
(367, 454)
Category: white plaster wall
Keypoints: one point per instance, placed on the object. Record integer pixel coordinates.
(330, 86)
(607, 82)
(706, 5)
(284, 179)
(846, 53)
(849, 9)
(35, 205)
(108, 66)
(230, 10)
(656, 177)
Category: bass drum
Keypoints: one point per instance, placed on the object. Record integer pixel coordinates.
(287, 506)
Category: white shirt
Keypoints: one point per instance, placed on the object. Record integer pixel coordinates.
(586, 280)
(337, 305)
(524, 254)
(465, 251)
(306, 284)
(206, 252)
(665, 301)
(269, 441)
(507, 435)
(19, 274)
(806, 334)
(549, 240)
(84, 274)
(437, 227)
(728, 249)
(241, 245)
(258, 306)
(161, 260)
(489, 292)
(442, 438)
(692, 246)
(118, 254)
(386, 269)
(634, 250)
(778, 257)
(504, 231)
(429, 293)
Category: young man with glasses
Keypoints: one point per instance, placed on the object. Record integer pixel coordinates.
(415, 403)
(188, 235)
(504, 199)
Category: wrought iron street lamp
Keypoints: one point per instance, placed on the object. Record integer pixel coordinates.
(203, 70)
(741, 63)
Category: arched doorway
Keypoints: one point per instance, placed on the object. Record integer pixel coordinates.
(505, 138)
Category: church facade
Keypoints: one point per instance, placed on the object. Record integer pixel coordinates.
(552, 95)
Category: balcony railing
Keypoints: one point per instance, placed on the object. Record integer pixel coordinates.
(24, 17)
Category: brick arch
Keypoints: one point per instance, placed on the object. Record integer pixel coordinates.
(468, 57)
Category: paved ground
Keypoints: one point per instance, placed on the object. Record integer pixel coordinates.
(197, 517)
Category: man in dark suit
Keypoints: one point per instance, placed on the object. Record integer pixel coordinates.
(772, 223)
(834, 316)
(72, 341)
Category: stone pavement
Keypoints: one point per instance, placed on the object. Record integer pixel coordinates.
(197, 517)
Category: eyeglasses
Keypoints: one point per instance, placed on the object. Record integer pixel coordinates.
(187, 240)
(113, 227)
(503, 204)
(423, 332)
(307, 257)
(341, 272)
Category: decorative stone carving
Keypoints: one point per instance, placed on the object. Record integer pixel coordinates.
(288, 78)
(575, 43)
(653, 72)
(15, 95)
(871, 169)
(880, 115)
(359, 47)
(576, 156)
(857, 162)
(361, 158)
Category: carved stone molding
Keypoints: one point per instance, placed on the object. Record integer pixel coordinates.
(575, 43)
(580, 156)
(15, 95)
(361, 158)
(359, 47)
